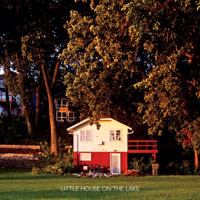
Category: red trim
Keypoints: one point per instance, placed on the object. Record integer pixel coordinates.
(101, 159)
(143, 151)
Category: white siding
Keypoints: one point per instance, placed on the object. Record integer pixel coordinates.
(99, 136)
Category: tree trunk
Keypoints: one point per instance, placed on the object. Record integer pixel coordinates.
(8, 103)
(37, 106)
(55, 74)
(28, 120)
(6, 71)
(27, 116)
(52, 118)
(196, 159)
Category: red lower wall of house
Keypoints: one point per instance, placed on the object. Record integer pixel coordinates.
(102, 159)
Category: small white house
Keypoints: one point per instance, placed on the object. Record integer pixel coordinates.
(105, 147)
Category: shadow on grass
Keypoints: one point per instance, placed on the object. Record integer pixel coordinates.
(29, 177)
(13, 170)
(21, 174)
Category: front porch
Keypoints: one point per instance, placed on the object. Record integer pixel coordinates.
(143, 147)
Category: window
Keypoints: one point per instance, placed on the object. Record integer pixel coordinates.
(64, 103)
(82, 136)
(61, 116)
(58, 116)
(64, 115)
(112, 135)
(115, 135)
(86, 135)
(71, 116)
(118, 135)
(85, 157)
(61, 103)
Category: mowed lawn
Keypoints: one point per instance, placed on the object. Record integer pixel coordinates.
(24, 185)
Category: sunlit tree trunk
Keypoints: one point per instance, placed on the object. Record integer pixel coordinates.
(37, 106)
(28, 120)
(55, 74)
(8, 103)
(196, 159)
(6, 71)
(52, 118)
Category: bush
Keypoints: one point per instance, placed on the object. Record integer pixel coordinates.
(142, 165)
(179, 167)
(12, 131)
(61, 164)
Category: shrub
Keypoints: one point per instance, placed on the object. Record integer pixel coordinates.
(61, 164)
(141, 164)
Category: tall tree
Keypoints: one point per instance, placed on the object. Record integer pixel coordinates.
(151, 44)
(101, 59)
(171, 76)
(30, 20)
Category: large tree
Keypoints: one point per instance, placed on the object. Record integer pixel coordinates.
(170, 40)
(34, 35)
(151, 44)
(102, 61)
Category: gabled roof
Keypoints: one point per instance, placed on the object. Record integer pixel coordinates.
(71, 129)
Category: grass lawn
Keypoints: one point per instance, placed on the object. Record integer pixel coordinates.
(23, 185)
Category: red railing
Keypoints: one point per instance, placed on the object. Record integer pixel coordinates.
(142, 146)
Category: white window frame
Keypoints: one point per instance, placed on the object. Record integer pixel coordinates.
(114, 135)
(85, 156)
(71, 119)
(61, 104)
(61, 118)
(66, 118)
(82, 136)
(86, 136)
(118, 137)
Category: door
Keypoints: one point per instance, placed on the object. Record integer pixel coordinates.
(115, 163)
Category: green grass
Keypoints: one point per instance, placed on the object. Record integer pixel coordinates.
(23, 185)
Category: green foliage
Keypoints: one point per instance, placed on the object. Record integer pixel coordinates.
(61, 164)
(190, 136)
(142, 165)
(100, 53)
(12, 132)
(24, 44)
(107, 50)
(182, 167)
(170, 88)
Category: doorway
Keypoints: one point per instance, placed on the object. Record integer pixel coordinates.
(115, 163)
